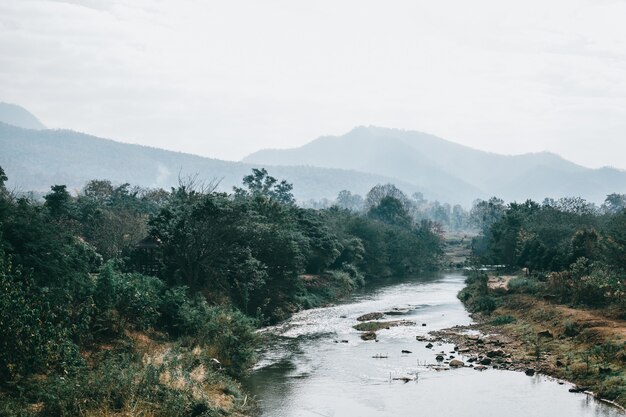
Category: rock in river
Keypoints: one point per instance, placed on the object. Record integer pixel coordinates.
(368, 336)
(455, 363)
(485, 361)
(370, 316)
(495, 353)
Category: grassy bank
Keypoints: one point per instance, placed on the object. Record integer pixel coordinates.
(581, 345)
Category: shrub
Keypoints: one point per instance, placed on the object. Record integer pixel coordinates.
(126, 298)
(523, 285)
(501, 320)
(122, 384)
(613, 388)
(484, 304)
(572, 329)
(34, 335)
(228, 331)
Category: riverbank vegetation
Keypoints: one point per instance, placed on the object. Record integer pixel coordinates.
(120, 300)
(561, 286)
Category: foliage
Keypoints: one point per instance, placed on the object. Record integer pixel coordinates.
(502, 320)
(74, 292)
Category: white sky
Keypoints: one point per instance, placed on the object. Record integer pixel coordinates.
(225, 78)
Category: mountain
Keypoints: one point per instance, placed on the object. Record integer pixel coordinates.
(36, 159)
(456, 171)
(18, 116)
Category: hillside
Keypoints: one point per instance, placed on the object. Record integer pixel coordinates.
(18, 116)
(458, 171)
(36, 159)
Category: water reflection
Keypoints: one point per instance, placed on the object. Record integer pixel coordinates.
(308, 370)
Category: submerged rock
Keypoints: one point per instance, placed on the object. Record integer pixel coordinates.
(368, 336)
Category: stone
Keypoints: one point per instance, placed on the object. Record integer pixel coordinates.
(455, 363)
(495, 353)
(368, 336)
(530, 372)
(485, 361)
(370, 316)
(406, 351)
(480, 367)
(429, 346)
(439, 358)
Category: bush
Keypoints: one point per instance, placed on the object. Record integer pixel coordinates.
(501, 320)
(34, 335)
(228, 331)
(523, 285)
(124, 298)
(175, 384)
(572, 329)
(613, 388)
(484, 304)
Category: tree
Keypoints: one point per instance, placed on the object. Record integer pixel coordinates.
(261, 184)
(614, 203)
(3, 180)
(58, 201)
(378, 192)
(347, 200)
(390, 210)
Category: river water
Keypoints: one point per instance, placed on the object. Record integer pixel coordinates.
(306, 370)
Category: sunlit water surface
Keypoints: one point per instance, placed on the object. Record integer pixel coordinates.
(304, 372)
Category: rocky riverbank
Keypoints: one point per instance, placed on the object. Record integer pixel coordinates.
(547, 347)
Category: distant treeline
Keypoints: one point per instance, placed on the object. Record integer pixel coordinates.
(449, 217)
(192, 269)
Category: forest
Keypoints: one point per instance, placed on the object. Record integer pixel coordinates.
(121, 298)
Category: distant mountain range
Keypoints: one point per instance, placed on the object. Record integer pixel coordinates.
(440, 167)
(35, 158)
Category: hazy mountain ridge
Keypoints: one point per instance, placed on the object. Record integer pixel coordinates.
(18, 116)
(456, 170)
(35, 160)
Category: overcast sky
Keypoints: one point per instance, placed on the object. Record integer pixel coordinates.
(223, 79)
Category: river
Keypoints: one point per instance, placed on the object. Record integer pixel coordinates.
(307, 370)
